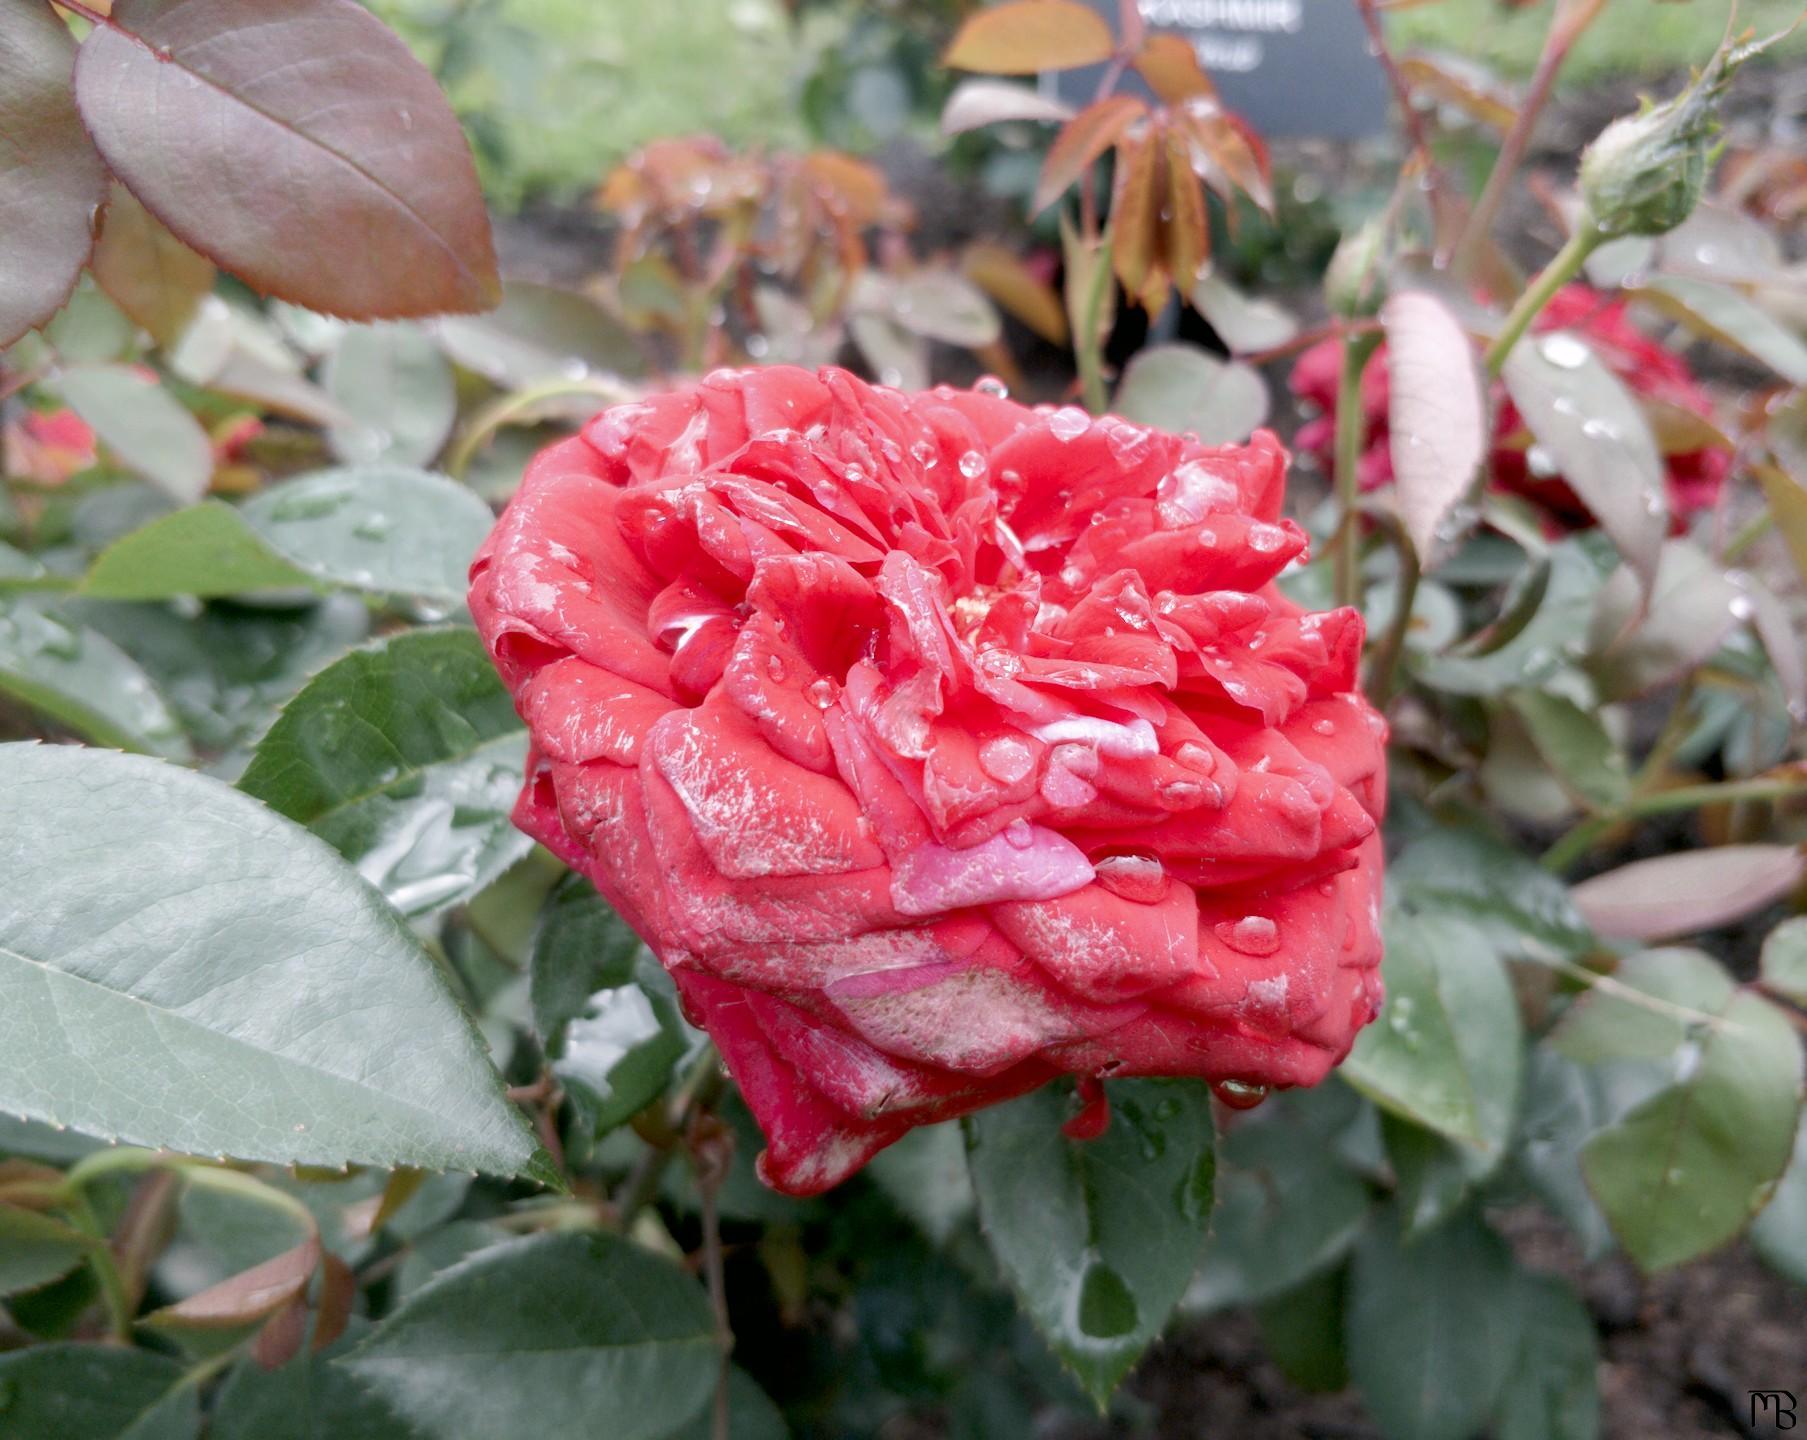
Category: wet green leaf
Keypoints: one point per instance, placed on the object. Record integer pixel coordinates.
(1180, 387)
(1784, 959)
(1565, 1103)
(1579, 751)
(582, 946)
(1551, 1393)
(541, 333)
(82, 680)
(1525, 910)
(394, 383)
(1527, 649)
(617, 1054)
(1430, 1344)
(204, 550)
(289, 1014)
(94, 1392)
(34, 1249)
(561, 1327)
(1721, 313)
(1098, 1238)
(406, 757)
(382, 529)
(309, 1398)
(144, 425)
(1446, 1051)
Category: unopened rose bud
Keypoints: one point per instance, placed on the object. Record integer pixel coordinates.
(1355, 284)
(1644, 174)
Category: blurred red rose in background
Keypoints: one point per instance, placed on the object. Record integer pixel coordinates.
(48, 446)
(939, 746)
(1647, 369)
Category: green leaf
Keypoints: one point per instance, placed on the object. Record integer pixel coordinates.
(1430, 1344)
(1525, 910)
(406, 757)
(1779, 1234)
(348, 188)
(1526, 650)
(1098, 1238)
(925, 1176)
(1721, 313)
(1303, 1331)
(1243, 322)
(562, 1328)
(1180, 387)
(1551, 1393)
(34, 1249)
(1445, 1052)
(751, 1414)
(1684, 1171)
(94, 1392)
(1565, 1103)
(204, 550)
(541, 333)
(50, 178)
(1433, 1174)
(379, 528)
(582, 946)
(83, 680)
(144, 425)
(1584, 758)
(1287, 1208)
(616, 1057)
(1639, 645)
(1784, 960)
(395, 384)
(309, 1398)
(184, 968)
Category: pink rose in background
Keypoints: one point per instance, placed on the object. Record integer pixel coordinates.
(939, 746)
(1646, 368)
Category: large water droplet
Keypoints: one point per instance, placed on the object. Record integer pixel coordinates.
(991, 385)
(1069, 423)
(1018, 835)
(1006, 758)
(1135, 875)
(972, 464)
(1563, 351)
(1252, 935)
(1239, 1094)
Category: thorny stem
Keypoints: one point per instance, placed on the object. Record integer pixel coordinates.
(1579, 840)
(1351, 431)
(1563, 268)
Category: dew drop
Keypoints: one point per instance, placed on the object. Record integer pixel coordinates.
(1323, 727)
(1196, 757)
(972, 464)
(1006, 759)
(1252, 935)
(1069, 423)
(1563, 351)
(774, 666)
(1018, 835)
(821, 694)
(1264, 539)
(925, 455)
(1239, 1094)
(992, 386)
(1134, 874)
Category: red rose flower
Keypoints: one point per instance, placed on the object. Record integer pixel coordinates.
(939, 746)
(49, 446)
(1645, 367)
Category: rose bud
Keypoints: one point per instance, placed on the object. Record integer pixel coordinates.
(939, 746)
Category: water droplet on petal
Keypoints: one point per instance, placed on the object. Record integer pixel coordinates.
(774, 666)
(821, 694)
(972, 464)
(991, 385)
(1252, 935)
(1135, 875)
(1196, 757)
(1006, 758)
(1019, 835)
(1069, 422)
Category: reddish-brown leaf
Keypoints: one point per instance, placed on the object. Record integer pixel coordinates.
(1170, 66)
(282, 1336)
(300, 146)
(338, 1291)
(1691, 891)
(51, 180)
(1437, 416)
(1226, 154)
(1001, 274)
(1080, 142)
(1136, 212)
(250, 1295)
(1455, 84)
(1187, 239)
(1025, 37)
(150, 274)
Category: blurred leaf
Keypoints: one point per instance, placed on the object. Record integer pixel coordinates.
(1180, 387)
(1685, 1170)
(1098, 1238)
(1784, 960)
(975, 104)
(1437, 417)
(1185, 228)
(1688, 891)
(1137, 204)
(751, 1414)
(247, 1297)
(1287, 1208)
(1525, 910)
(1721, 313)
(235, 353)
(1583, 757)
(1719, 242)
(1445, 1052)
(1433, 1174)
(1001, 274)
(319, 1029)
(1303, 1332)
(1551, 1393)
(1243, 322)
(1087, 267)
(1565, 1103)
(1779, 1234)
(582, 946)
(1775, 627)
(83, 680)
(1638, 647)
(617, 1054)
(1528, 648)
(1079, 144)
(392, 381)
(1580, 412)
(924, 1175)
(95, 1392)
(894, 355)
(150, 274)
(1169, 63)
(34, 1250)
(559, 1327)
(142, 424)
(381, 529)
(1787, 496)
(345, 188)
(51, 181)
(539, 333)
(940, 305)
(1431, 1346)
(204, 550)
(309, 1398)
(406, 757)
(90, 328)
(1022, 37)
(1453, 80)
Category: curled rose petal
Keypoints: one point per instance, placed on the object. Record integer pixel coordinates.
(940, 746)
